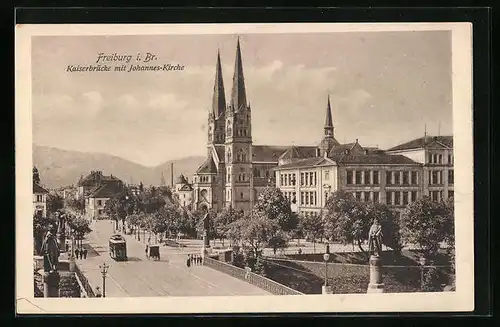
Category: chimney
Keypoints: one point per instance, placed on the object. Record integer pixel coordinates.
(172, 174)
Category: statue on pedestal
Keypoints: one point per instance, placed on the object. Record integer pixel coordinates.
(375, 238)
(50, 252)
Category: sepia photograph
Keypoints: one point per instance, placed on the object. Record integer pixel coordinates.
(218, 166)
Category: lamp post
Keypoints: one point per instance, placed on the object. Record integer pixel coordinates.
(104, 270)
(422, 262)
(326, 289)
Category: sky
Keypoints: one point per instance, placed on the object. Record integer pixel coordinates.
(385, 88)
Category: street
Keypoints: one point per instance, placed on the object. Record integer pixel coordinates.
(140, 277)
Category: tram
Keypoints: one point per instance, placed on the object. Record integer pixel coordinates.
(118, 248)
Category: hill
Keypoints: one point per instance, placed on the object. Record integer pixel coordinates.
(59, 167)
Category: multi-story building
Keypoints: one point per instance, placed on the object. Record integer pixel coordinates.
(96, 189)
(236, 170)
(435, 155)
(39, 200)
(184, 191)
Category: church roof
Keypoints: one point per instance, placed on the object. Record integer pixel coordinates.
(424, 142)
(238, 92)
(208, 167)
(267, 153)
(218, 98)
(38, 189)
(307, 162)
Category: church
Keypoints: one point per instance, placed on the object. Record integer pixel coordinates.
(236, 170)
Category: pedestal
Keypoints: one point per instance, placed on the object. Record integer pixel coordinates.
(51, 284)
(326, 290)
(72, 263)
(375, 285)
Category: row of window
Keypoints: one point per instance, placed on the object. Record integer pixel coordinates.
(308, 179)
(241, 155)
(308, 198)
(362, 177)
(287, 179)
(400, 197)
(401, 178)
(435, 158)
(367, 196)
(436, 177)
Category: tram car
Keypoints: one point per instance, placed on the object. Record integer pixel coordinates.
(118, 248)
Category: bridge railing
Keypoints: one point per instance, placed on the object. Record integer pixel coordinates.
(257, 280)
(87, 290)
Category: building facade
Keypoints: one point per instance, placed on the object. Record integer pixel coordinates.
(39, 200)
(97, 189)
(236, 170)
(184, 191)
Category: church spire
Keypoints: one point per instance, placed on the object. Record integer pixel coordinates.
(328, 119)
(219, 98)
(238, 94)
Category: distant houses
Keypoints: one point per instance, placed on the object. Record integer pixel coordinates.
(97, 189)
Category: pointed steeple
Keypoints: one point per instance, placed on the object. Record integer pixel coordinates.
(219, 98)
(328, 118)
(238, 93)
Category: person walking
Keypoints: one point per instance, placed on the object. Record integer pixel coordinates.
(85, 253)
(147, 248)
(199, 259)
(188, 261)
(77, 253)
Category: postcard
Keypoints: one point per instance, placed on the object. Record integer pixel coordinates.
(233, 168)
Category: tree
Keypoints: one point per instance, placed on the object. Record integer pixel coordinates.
(275, 206)
(40, 227)
(426, 224)
(79, 226)
(36, 176)
(141, 187)
(278, 241)
(222, 221)
(54, 203)
(348, 221)
(75, 204)
(313, 227)
(254, 231)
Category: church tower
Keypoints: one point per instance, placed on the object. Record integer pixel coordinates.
(238, 142)
(216, 119)
(329, 140)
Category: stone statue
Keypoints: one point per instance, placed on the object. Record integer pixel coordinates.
(206, 222)
(375, 238)
(50, 251)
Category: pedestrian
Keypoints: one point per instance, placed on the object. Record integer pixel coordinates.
(85, 253)
(199, 259)
(77, 253)
(81, 253)
(147, 248)
(188, 262)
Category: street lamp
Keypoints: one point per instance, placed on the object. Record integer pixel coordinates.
(326, 257)
(422, 262)
(104, 270)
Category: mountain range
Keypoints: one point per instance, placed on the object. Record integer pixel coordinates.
(58, 167)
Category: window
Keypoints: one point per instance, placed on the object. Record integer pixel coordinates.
(294, 197)
(375, 197)
(414, 178)
(327, 175)
(315, 178)
(413, 196)
(405, 198)
(349, 177)
(397, 176)
(451, 194)
(375, 177)
(406, 177)
(388, 177)
(397, 198)
(367, 177)
(256, 172)
(358, 177)
(315, 200)
(434, 195)
(39, 198)
(450, 159)
(293, 180)
(388, 198)
(301, 179)
(307, 198)
(286, 180)
(358, 195)
(302, 198)
(307, 179)
(100, 211)
(440, 158)
(241, 195)
(451, 177)
(367, 196)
